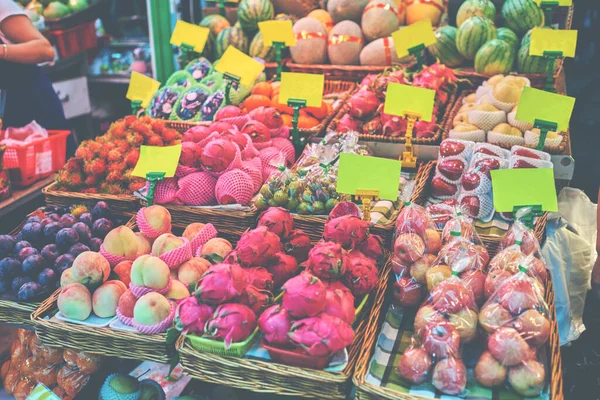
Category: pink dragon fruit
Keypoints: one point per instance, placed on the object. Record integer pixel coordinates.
(323, 335)
(189, 154)
(372, 247)
(228, 112)
(393, 125)
(221, 283)
(297, 245)
(344, 208)
(190, 316)
(368, 80)
(340, 303)
(255, 298)
(278, 220)
(260, 278)
(257, 131)
(197, 189)
(348, 123)
(304, 296)
(347, 230)
(232, 323)
(363, 104)
(244, 143)
(425, 129)
(234, 187)
(222, 127)
(275, 323)
(268, 116)
(196, 134)
(282, 267)
(361, 276)
(327, 260)
(257, 246)
(254, 174)
(217, 155)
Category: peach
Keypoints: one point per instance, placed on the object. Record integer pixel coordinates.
(492, 316)
(106, 298)
(191, 270)
(75, 301)
(144, 244)
(192, 230)
(123, 271)
(151, 309)
(90, 269)
(121, 241)
(66, 277)
(151, 272)
(437, 274)
(218, 246)
(158, 218)
(178, 291)
(127, 303)
(165, 243)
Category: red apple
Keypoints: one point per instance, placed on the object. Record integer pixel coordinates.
(441, 188)
(442, 340)
(450, 376)
(414, 365)
(400, 267)
(483, 256)
(471, 203)
(465, 322)
(533, 327)
(536, 268)
(470, 181)
(451, 148)
(508, 347)
(494, 280)
(493, 316)
(526, 153)
(450, 296)
(474, 280)
(459, 224)
(433, 241)
(487, 164)
(451, 168)
(488, 371)
(407, 292)
(409, 247)
(523, 164)
(529, 243)
(459, 255)
(518, 295)
(527, 379)
(419, 269)
(486, 151)
(427, 316)
(507, 259)
(412, 219)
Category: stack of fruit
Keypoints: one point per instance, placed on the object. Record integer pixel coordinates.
(104, 165)
(32, 262)
(118, 386)
(364, 110)
(53, 9)
(64, 372)
(492, 50)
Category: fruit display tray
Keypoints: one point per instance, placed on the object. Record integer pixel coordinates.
(269, 377)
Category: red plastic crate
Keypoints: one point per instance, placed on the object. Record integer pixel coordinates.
(38, 159)
(75, 40)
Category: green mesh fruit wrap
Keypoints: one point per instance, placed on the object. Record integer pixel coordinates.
(181, 79)
(189, 106)
(108, 393)
(198, 68)
(163, 102)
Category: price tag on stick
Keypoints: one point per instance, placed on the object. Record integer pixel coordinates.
(190, 38)
(278, 34)
(413, 39)
(155, 164)
(238, 68)
(140, 91)
(552, 44)
(368, 178)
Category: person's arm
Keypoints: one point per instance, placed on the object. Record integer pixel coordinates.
(28, 46)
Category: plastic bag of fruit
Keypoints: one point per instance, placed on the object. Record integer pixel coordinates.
(452, 162)
(516, 320)
(522, 234)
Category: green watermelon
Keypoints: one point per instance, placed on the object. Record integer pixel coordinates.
(472, 34)
(527, 64)
(444, 49)
(215, 23)
(472, 8)
(251, 12)
(522, 15)
(509, 37)
(494, 57)
(526, 38)
(230, 37)
(258, 49)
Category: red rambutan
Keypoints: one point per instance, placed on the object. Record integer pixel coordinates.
(113, 177)
(83, 151)
(154, 140)
(114, 156)
(132, 158)
(118, 130)
(91, 180)
(134, 186)
(96, 167)
(135, 139)
(74, 165)
(169, 135)
(130, 119)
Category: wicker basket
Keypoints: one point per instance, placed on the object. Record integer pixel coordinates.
(119, 204)
(561, 149)
(367, 391)
(491, 242)
(268, 377)
(350, 73)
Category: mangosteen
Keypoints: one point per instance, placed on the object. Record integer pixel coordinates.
(32, 232)
(101, 227)
(50, 253)
(18, 282)
(32, 265)
(65, 238)
(63, 262)
(77, 249)
(67, 220)
(7, 245)
(87, 219)
(9, 268)
(27, 252)
(28, 291)
(101, 210)
(84, 232)
(47, 277)
(33, 218)
(51, 230)
(21, 245)
(95, 244)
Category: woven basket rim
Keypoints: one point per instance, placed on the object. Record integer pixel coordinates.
(52, 191)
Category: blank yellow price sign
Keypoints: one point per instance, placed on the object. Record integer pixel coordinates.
(157, 159)
(561, 3)
(191, 35)
(240, 65)
(141, 88)
(419, 33)
(401, 100)
(369, 173)
(277, 31)
(522, 187)
(296, 86)
(542, 40)
(540, 105)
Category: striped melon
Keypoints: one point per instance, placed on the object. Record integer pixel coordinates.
(472, 34)
(230, 37)
(444, 49)
(472, 8)
(495, 57)
(258, 49)
(251, 12)
(526, 38)
(527, 64)
(522, 15)
(509, 37)
(215, 23)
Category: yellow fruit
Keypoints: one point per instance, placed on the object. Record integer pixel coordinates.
(472, 98)
(323, 17)
(549, 135)
(494, 80)
(418, 10)
(517, 80)
(461, 118)
(465, 128)
(467, 107)
(486, 107)
(506, 129)
(507, 92)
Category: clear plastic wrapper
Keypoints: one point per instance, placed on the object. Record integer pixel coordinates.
(529, 153)
(452, 162)
(526, 162)
(443, 212)
(521, 234)
(491, 150)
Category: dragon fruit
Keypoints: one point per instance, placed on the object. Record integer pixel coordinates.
(282, 267)
(244, 143)
(348, 123)
(268, 116)
(275, 323)
(344, 208)
(257, 246)
(347, 230)
(372, 247)
(304, 296)
(190, 316)
(255, 298)
(297, 244)
(368, 80)
(260, 278)
(217, 155)
(228, 112)
(425, 129)
(232, 323)
(361, 276)
(393, 125)
(363, 104)
(189, 155)
(327, 260)
(278, 220)
(257, 131)
(221, 283)
(323, 335)
(340, 303)
(196, 134)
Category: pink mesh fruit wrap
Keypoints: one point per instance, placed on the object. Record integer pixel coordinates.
(112, 259)
(145, 227)
(235, 164)
(239, 121)
(178, 256)
(183, 170)
(255, 162)
(166, 191)
(197, 189)
(283, 132)
(263, 145)
(207, 233)
(286, 146)
(125, 320)
(234, 187)
(157, 328)
(139, 291)
(249, 151)
(254, 173)
(270, 157)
